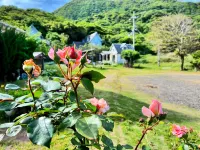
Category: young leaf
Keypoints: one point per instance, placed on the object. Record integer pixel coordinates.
(88, 126)
(13, 131)
(11, 87)
(88, 85)
(93, 76)
(40, 131)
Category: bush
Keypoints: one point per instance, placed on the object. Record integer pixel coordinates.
(15, 48)
(130, 56)
(196, 60)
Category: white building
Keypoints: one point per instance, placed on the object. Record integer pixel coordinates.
(114, 54)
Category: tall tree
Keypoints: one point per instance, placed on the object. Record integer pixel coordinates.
(176, 33)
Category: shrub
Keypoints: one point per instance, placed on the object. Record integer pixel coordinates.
(196, 60)
(130, 56)
(14, 49)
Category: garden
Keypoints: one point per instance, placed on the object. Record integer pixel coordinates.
(67, 112)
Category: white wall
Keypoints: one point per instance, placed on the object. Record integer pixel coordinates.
(119, 59)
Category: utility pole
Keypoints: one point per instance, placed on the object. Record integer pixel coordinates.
(133, 32)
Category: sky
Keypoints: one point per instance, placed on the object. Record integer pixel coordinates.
(46, 5)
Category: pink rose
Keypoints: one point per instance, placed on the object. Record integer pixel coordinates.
(179, 131)
(51, 53)
(101, 105)
(72, 53)
(62, 54)
(155, 109)
(94, 101)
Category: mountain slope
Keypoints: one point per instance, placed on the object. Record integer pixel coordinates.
(79, 9)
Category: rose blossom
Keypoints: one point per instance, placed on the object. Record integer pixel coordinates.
(179, 131)
(155, 109)
(31, 68)
(101, 105)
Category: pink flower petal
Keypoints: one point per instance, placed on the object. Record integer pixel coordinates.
(51, 53)
(147, 112)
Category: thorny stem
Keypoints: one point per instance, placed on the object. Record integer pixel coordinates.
(29, 84)
(144, 132)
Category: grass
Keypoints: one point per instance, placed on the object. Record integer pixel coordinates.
(126, 102)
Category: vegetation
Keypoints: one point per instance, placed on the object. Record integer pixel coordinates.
(126, 117)
(130, 56)
(177, 34)
(114, 16)
(15, 47)
(196, 60)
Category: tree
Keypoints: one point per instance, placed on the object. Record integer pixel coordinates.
(130, 56)
(176, 33)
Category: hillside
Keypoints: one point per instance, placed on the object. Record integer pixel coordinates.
(114, 16)
(48, 24)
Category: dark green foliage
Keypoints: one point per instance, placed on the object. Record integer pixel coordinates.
(15, 48)
(130, 56)
(196, 60)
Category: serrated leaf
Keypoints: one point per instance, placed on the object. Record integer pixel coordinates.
(11, 87)
(88, 126)
(88, 85)
(40, 131)
(93, 76)
(13, 131)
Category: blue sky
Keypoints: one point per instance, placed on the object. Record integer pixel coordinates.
(46, 5)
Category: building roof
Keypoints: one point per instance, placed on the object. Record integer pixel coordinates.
(119, 47)
(78, 44)
(38, 55)
(10, 26)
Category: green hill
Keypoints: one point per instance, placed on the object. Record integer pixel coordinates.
(114, 16)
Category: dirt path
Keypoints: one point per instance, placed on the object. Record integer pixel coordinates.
(174, 88)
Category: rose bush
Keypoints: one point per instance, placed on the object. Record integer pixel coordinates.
(59, 106)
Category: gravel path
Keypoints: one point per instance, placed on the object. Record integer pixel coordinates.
(174, 88)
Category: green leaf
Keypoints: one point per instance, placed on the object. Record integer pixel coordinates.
(93, 76)
(25, 105)
(13, 131)
(70, 120)
(75, 141)
(108, 142)
(107, 123)
(7, 106)
(88, 126)
(51, 86)
(11, 87)
(40, 131)
(144, 147)
(21, 99)
(26, 120)
(72, 96)
(6, 125)
(185, 147)
(37, 82)
(88, 85)
(6, 97)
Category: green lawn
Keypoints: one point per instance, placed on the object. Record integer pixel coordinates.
(126, 103)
